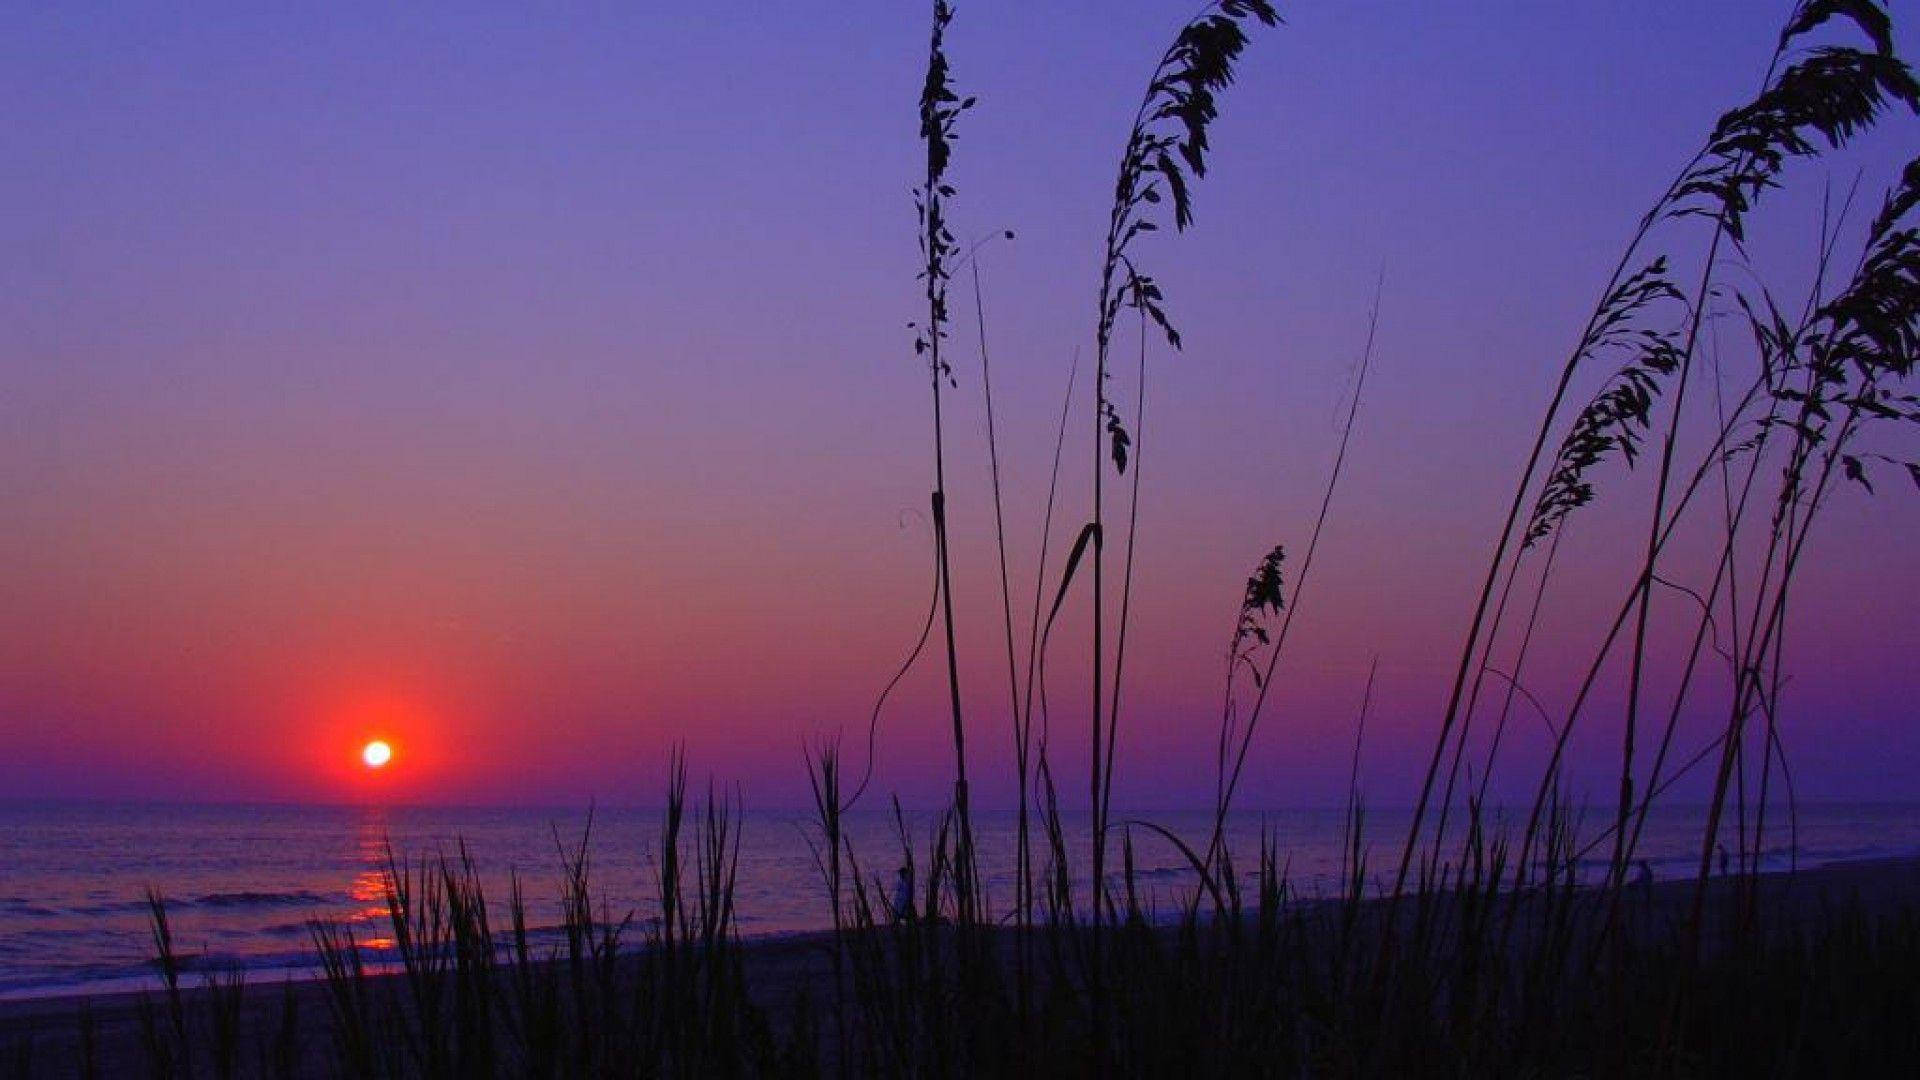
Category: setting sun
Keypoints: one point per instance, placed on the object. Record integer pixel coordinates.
(376, 754)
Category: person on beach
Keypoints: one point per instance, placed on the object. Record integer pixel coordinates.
(903, 896)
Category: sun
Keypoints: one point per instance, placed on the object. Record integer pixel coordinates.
(376, 754)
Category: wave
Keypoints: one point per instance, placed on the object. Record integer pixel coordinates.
(1165, 873)
(1867, 853)
(297, 898)
(214, 900)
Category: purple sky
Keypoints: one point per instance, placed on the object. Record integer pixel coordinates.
(536, 390)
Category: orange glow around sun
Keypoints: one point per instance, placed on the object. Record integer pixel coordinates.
(368, 742)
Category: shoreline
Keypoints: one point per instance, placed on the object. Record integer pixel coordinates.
(1895, 876)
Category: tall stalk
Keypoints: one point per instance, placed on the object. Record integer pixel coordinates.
(940, 110)
(1035, 679)
(1166, 149)
(1126, 576)
(1020, 742)
(1650, 564)
(1263, 593)
(1860, 346)
(1620, 292)
(1831, 95)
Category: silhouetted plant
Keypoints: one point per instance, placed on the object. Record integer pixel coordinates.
(1166, 148)
(1260, 605)
(1264, 587)
(1616, 419)
(1825, 98)
(940, 110)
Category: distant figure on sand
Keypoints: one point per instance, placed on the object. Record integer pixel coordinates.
(1723, 860)
(1643, 877)
(903, 896)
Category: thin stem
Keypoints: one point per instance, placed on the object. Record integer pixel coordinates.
(1126, 583)
(1300, 582)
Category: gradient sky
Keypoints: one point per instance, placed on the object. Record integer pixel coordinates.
(535, 389)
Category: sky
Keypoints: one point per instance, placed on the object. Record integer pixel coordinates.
(534, 390)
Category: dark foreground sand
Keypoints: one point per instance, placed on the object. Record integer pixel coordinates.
(41, 1037)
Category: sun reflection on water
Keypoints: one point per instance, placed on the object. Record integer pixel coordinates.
(370, 884)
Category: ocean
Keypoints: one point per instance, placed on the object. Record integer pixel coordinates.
(244, 884)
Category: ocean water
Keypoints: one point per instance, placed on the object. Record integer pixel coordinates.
(244, 884)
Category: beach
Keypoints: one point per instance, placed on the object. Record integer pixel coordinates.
(54, 1037)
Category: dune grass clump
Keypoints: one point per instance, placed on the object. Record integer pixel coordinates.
(1258, 981)
(450, 995)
